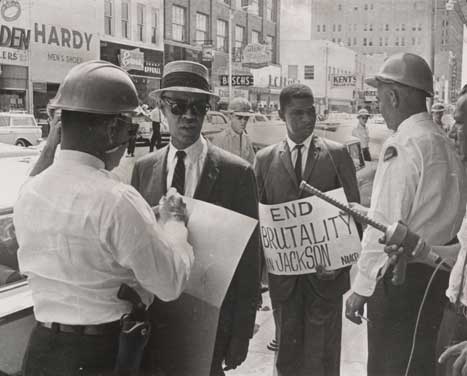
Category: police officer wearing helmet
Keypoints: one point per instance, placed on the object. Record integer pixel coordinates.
(81, 233)
(361, 132)
(437, 112)
(420, 181)
(234, 139)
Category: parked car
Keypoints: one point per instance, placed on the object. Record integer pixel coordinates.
(42, 120)
(19, 128)
(16, 314)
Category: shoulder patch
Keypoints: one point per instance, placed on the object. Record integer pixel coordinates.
(391, 152)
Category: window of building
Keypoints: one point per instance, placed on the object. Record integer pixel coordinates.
(355, 9)
(254, 36)
(403, 27)
(333, 40)
(324, 28)
(397, 28)
(201, 33)
(370, 28)
(419, 27)
(413, 41)
(339, 28)
(154, 23)
(386, 41)
(179, 23)
(364, 41)
(386, 27)
(125, 19)
(365, 27)
(354, 41)
(396, 42)
(402, 41)
(381, 41)
(239, 36)
(339, 7)
(270, 10)
(108, 15)
(366, 7)
(309, 72)
(370, 42)
(334, 28)
(253, 6)
(349, 41)
(221, 35)
(414, 27)
(318, 28)
(419, 40)
(371, 7)
(293, 72)
(339, 40)
(140, 21)
(272, 47)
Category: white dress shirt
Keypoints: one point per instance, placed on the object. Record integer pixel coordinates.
(305, 149)
(82, 234)
(423, 185)
(459, 271)
(194, 163)
(362, 134)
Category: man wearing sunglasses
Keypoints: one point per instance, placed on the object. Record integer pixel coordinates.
(234, 138)
(198, 169)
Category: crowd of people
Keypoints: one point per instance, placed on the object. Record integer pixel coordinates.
(82, 234)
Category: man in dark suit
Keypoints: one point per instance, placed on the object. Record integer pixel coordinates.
(199, 169)
(307, 308)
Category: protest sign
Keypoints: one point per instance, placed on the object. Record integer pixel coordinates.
(186, 328)
(299, 235)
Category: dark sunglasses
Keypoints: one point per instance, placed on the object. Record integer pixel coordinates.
(181, 107)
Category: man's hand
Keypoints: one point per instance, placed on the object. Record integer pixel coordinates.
(326, 275)
(363, 210)
(459, 351)
(354, 307)
(172, 207)
(236, 352)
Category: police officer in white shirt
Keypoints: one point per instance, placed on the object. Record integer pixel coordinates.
(419, 180)
(361, 132)
(82, 234)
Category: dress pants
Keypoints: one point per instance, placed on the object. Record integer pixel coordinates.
(51, 353)
(309, 330)
(393, 310)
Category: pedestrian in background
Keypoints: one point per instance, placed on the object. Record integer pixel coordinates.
(234, 138)
(156, 129)
(457, 132)
(361, 132)
(437, 113)
(81, 234)
(307, 308)
(420, 181)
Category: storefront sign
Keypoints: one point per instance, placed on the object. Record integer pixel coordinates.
(131, 59)
(256, 55)
(342, 81)
(369, 95)
(223, 93)
(207, 54)
(300, 235)
(13, 56)
(237, 80)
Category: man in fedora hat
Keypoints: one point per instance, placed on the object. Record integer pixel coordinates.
(361, 132)
(201, 170)
(234, 138)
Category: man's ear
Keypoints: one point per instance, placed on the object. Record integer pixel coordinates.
(394, 97)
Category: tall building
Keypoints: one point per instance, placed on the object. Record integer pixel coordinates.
(199, 31)
(390, 26)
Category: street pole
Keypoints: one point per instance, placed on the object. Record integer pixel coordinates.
(230, 53)
(326, 107)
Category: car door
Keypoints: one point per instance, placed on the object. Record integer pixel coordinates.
(7, 135)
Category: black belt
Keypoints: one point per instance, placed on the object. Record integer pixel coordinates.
(89, 330)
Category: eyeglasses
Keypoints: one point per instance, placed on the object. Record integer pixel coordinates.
(181, 107)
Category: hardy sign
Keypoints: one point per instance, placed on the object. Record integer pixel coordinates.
(347, 80)
(237, 80)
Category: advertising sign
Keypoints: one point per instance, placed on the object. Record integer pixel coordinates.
(256, 55)
(207, 53)
(237, 80)
(131, 59)
(342, 81)
(299, 235)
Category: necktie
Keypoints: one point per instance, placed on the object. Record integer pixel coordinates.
(298, 163)
(178, 180)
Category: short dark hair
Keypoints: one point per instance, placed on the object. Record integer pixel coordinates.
(294, 91)
(77, 119)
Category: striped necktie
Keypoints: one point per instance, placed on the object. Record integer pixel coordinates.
(178, 180)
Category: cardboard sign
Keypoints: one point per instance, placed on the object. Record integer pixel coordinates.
(297, 236)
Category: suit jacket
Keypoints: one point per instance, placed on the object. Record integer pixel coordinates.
(226, 181)
(277, 183)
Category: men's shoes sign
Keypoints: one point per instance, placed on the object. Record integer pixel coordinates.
(297, 236)
(237, 80)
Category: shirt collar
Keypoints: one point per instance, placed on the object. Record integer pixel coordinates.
(79, 157)
(306, 143)
(193, 152)
(416, 118)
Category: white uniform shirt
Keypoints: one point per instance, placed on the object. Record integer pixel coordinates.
(362, 134)
(82, 234)
(238, 144)
(194, 163)
(423, 185)
(455, 278)
(294, 151)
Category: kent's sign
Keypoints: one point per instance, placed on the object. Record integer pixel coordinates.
(19, 38)
(347, 80)
(237, 80)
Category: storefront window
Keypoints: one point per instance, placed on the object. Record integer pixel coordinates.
(140, 22)
(179, 23)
